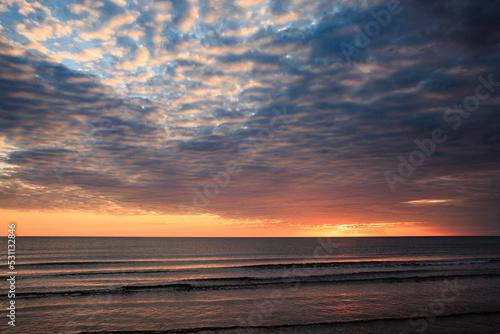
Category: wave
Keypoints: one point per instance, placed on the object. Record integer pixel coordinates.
(324, 264)
(241, 329)
(370, 264)
(250, 283)
(94, 273)
(205, 259)
(154, 271)
(83, 263)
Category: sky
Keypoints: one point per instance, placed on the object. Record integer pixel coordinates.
(250, 118)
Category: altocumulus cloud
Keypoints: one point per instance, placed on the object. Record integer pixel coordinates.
(181, 84)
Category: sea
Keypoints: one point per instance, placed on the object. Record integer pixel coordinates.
(254, 285)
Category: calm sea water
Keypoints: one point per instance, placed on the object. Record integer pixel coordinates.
(256, 285)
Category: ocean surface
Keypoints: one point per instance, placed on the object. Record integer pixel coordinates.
(255, 285)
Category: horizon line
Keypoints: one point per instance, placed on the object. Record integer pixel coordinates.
(385, 236)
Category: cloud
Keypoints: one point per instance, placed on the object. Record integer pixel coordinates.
(50, 29)
(109, 30)
(247, 4)
(430, 201)
(141, 57)
(139, 108)
(189, 17)
(121, 3)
